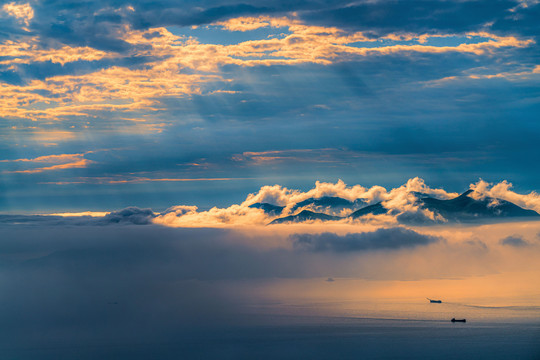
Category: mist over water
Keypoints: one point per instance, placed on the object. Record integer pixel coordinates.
(146, 291)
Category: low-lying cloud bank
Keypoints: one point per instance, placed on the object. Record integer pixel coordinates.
(412, 203)
(94, 285)
(381, 239)
(406, 204)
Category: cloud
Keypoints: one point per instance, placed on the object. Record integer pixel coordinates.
(144, 179)
(502, 191)
(400, 205)
(264, 157)
(324, 155)
(233, 216)
(65, 161)
(252, 23)
(515, 241)
(30, 220)
(107, 288)
(401, 200)
(83, 163)
(387, 17)
(77, 214)
(389, 207)
(51, 158)
(128, 216)
(521, 74)
(131, 214)
(115, 88)
(381, 239)
(283, 196)
(118, 66)
(23, 12)
(298, 251)
(135, 269)
(135, 180)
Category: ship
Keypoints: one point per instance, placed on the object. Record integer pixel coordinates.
(434, 301)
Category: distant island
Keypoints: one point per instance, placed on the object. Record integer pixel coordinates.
(461, 209)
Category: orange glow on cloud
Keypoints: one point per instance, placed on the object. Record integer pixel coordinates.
(135, 179)
(23, 12)
(50, 158)
(72, 165)
(63, 161)
(82, 213)
(127, 90)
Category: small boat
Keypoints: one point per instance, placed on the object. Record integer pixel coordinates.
(458, 320)
(434, 301)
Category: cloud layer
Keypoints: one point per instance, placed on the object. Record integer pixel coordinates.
(127, 58)
(107, 283)
(412, 203)
(381, 239)
(256, 93)
(400, 204)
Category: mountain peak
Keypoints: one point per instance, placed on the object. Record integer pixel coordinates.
(305, 215)
(466, 193)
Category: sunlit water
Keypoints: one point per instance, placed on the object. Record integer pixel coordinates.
(474, 313)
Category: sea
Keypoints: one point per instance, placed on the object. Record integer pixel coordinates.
(348, 330)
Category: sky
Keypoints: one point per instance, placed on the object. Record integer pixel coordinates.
(108, 104)
(139, 138)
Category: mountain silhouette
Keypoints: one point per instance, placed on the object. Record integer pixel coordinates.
(375, 209)
(328, 201)
(269, 209)
(466, 208)
(322, 203)
(462, 208)
(305, 215)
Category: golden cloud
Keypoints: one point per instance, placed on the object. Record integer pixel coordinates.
(62, 161)
(23, 12)
(72, 165)
(181, 66)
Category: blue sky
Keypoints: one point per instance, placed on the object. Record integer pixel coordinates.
(154, 103)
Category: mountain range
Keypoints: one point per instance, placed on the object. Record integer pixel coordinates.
(462, 208)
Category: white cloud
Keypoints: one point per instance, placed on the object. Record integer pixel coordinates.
(22, 12)
(503, 191)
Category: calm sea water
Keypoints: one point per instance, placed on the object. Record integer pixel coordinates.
(479, 312)
(348, 330)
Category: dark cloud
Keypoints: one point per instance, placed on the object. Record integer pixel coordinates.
(42, 70)
(524, 20)
(97, 37)
(96, 285)
(416, 217)
(131, 214)
(30, 219)
(381, 239)
(515, 241)
(375, 16)
(384, 17)
(186, 15)
(477, 245)
(96, 24)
